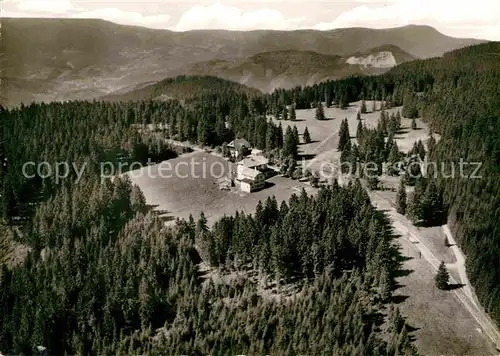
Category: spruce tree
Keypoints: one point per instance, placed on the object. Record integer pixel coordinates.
(401, 203)
(433, 209)
(359, 130)
(410, 109)
(421, 150)
(328, 100)
(385, 285)
(296, 135)
(292, 115)
(320, 112)
(284, 114)
(279, 136)
(431, 143)
(442, 277)
(394, 157)
(415, 207)
(307, 137)
(290, 144)
(363, 106)
(344, 136)
(373, 183)
(398, 119)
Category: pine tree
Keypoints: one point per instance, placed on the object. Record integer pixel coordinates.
(363, 106)
(344, 136)
(279, 136)
(295, 132)
(306, 136)
(413, 124)
(290, 145)
(413, 171)
(359, 131)
(320, 112)
(373, 183)
(203, 134)
(385, 288)
(432, 204)
(394, 158)
(431, 143)
(415, 207)
(270, 137)
(442, 277)
(401, 203)
(410, 109)
(277, 113)
(328, 100)
(420, 150)
(393, 124)
(292, 114)
(398, 119)
(284, 113)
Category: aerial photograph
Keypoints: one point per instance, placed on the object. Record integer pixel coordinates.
(250, 177)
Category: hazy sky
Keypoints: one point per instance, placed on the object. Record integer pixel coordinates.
(460, 18)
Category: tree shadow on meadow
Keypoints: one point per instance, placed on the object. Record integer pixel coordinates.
(306, 156)
(454, 286)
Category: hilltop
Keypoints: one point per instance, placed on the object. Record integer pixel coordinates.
(180, 88)
(289, 68)
(82, 58)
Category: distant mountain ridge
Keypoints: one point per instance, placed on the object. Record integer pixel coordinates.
(82, 58)
(180, 88)
(289, 68)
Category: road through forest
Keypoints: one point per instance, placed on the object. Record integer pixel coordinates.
(465, 294)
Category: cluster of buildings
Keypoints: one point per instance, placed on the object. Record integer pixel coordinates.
(252, 167)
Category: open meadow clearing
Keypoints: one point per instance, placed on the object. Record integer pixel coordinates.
(439, 320)
(321, 154)
(193, 188)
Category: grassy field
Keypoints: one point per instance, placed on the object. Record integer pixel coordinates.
(193, 189)
(321, 154)
(439, 322)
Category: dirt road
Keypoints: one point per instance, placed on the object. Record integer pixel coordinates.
(459, 265)
(465, 294)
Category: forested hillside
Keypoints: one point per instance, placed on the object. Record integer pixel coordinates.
(49, 59)
(288, 68)
(459, 97)
(180, 88)
(103, 275)
(89, 134)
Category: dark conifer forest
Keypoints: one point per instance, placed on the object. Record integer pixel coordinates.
(459, 97)
(104, 275)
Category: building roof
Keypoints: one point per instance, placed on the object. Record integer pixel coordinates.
(249, 172)
(238, 143)
(247, 180)
(253, 161)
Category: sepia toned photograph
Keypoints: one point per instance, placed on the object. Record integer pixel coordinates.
(244, 178)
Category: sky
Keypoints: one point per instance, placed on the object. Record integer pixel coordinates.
(458, 18)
